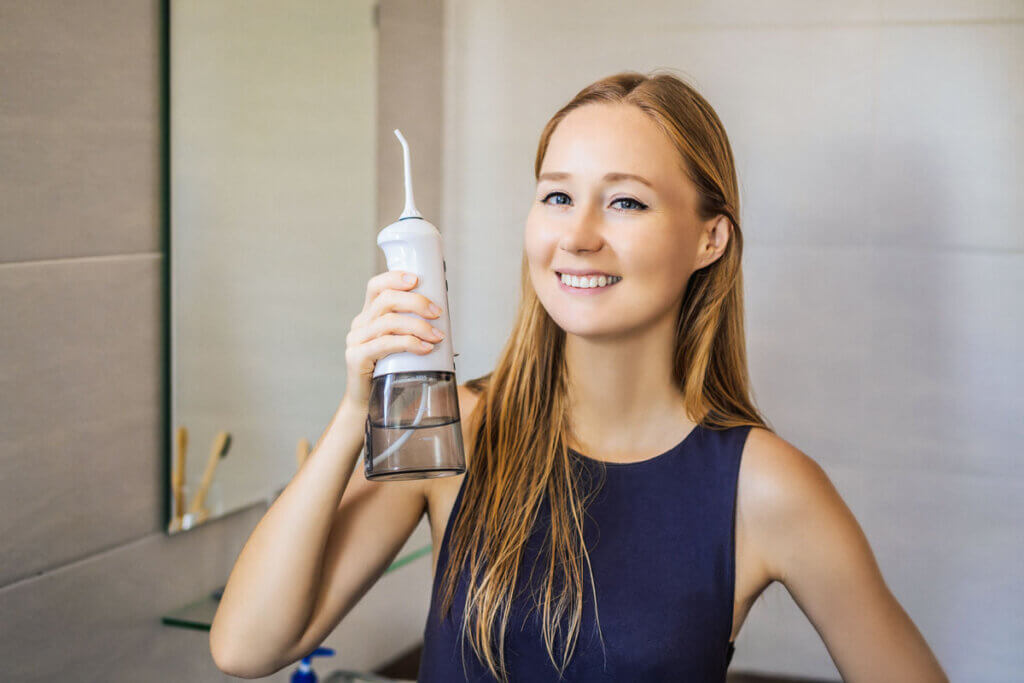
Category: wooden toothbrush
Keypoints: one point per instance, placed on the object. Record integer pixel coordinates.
(178, 477)
(220, 449)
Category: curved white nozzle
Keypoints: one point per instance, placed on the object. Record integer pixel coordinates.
(410, 204)
(405, 437)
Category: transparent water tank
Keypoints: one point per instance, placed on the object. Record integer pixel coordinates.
(413, 429)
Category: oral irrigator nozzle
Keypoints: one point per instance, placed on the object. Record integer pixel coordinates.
(410, 203)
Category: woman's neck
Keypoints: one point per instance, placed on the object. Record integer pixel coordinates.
(622, 394)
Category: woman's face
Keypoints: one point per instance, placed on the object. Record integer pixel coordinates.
(590, 214)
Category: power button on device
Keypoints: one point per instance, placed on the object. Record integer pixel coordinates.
(445, 266)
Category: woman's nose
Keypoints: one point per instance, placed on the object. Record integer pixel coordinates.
(582, 229)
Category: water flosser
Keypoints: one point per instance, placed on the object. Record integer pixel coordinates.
(413, 429)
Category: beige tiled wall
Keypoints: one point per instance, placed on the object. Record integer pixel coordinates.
(86, 570)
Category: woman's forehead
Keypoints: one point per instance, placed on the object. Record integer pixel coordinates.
(597, 139)
(601, 138)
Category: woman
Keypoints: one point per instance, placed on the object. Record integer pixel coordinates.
(625, 503)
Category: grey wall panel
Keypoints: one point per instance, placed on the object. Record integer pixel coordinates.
(99, 619)
(891, 358)
(79, 128)
(80, 419)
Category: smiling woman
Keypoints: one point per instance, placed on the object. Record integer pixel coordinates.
(619, 564)
(624, 502)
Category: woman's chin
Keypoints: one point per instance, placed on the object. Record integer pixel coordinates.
(590, 327)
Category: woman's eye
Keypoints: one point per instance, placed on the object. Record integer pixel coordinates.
(631, 204)
(554, 194)
(636, 204)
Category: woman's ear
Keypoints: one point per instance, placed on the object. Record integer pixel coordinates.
(714, 237)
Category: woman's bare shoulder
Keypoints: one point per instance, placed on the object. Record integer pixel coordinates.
(774, 471)
(788, 499)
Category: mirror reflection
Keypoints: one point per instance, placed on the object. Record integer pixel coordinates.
(272, 130)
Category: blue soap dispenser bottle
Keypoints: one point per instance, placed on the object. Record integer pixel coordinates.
(305, 673)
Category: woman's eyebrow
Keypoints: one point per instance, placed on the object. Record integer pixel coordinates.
(610, 177)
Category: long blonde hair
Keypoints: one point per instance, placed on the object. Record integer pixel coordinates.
(519, 425)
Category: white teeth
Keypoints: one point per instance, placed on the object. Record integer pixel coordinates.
(588, 282)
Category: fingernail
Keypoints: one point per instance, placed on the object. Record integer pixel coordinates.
(434, 309)
(409, 277)
(437, 333)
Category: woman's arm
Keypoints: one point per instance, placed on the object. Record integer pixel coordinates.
(810, 541)
(314, 554)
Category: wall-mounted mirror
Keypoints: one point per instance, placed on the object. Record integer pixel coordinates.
(272, 237)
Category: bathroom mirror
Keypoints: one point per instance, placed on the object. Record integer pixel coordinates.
(272, 110)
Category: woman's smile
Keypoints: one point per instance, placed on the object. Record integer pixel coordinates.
(586, 286)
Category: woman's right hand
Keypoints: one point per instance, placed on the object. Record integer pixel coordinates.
(380, 330)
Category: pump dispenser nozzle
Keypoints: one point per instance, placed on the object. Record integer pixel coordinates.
(410, 203)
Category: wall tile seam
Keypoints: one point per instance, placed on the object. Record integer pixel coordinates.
(891, 246)
(669, 27)
(79, 259)
(107, 550)
(74, 563)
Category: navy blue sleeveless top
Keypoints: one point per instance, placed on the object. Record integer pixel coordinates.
(661, 538)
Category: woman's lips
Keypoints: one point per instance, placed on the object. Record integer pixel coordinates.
(589, 291)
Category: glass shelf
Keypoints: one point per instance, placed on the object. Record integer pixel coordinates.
(199, 614)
